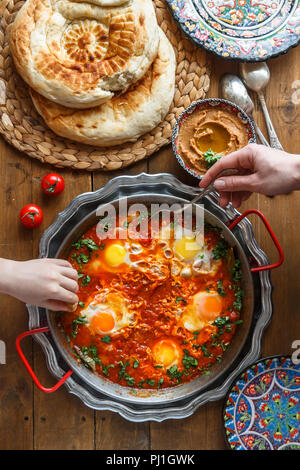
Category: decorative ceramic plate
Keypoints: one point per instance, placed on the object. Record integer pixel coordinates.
(262, 410)
(247, 30)
(205, 104)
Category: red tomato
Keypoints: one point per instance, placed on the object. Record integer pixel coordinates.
(31, 216)
(53, 184)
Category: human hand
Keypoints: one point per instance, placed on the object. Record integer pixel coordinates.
(262, 170)
(49, 283)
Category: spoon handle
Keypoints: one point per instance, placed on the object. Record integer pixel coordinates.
(210, 188)
(261, 136)
(274, 141)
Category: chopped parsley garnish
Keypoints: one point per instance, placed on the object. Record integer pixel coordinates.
(130, 380)
(106, 339)
(136, 364)
(180, 299)
(211, 157)
(75, 324)
(220, 288)
(123, 374)
(82, 258)
(160, 382)
(219, 343)
(85, 242)
(221, 250)
(105, 369)
(205, 351)
(81, 304)
(174, 373)
(189, 361)
(85, 280)
(92, 352)
(221, 323)
(237, 304)
(236, 273)
(150, 382)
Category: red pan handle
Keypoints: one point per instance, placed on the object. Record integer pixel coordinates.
(268, 227)
(26, 363)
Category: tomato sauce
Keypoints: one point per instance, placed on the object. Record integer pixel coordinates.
(162, 337)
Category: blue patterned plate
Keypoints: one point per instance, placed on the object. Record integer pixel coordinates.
(247, 30)
(262, 409)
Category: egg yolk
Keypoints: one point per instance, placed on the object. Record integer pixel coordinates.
(103, 322)
(115, 255)
(165, 352)
(187, 248)
(208, 306)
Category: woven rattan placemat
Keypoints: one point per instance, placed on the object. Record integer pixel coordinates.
(22, 127)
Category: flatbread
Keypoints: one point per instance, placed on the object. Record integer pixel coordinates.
(125, 117)
(79, 54)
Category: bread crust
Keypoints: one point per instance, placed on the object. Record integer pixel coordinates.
(125, 117)
(80, 54)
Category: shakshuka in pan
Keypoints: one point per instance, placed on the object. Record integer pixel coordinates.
(154, 312)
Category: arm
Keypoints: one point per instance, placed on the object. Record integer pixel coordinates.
(49, 283)
(262, 169)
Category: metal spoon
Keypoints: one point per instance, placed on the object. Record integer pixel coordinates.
(209, 189)
(256, 76)
(233, 89)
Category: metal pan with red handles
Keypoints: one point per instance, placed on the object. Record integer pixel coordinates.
(162, 397)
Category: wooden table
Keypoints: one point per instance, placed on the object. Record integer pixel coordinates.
(30, 419)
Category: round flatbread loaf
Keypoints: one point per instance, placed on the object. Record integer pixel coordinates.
(124, 118)
(79, 54)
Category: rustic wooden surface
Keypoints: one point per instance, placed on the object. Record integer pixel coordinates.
(30, 419)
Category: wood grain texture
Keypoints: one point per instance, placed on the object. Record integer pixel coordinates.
(16, 406)
(61, 421)
(34, 420)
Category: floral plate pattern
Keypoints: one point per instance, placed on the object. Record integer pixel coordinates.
(262, 410)
(204, 104)
(246, 30)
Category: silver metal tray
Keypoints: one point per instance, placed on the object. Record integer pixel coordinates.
(168, 185)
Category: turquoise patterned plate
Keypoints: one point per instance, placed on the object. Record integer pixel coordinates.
(262, 409)
(247, 30)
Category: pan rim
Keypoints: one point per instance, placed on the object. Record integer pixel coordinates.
(169, 184)
(144, 396)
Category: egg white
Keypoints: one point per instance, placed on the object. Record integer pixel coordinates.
(113, 304)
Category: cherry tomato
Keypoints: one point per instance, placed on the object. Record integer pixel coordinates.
(31, 216)
(53, 184)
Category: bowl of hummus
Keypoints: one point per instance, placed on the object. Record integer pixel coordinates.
(209, 130)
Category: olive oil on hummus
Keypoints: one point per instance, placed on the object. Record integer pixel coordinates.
(212, 128)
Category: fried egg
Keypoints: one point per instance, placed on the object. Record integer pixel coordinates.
(166, 353)
(107, 314)
(192, 256)
(115, 257)
(205, 308)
